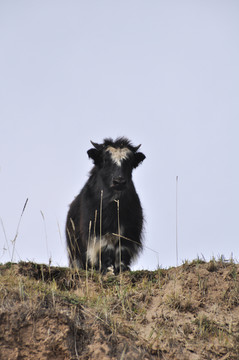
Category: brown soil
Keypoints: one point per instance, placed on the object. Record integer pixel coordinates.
(189, 312)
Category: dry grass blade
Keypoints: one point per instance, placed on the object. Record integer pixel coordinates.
(119, 236)
(101, 208)
(6, 240)
(17, 231)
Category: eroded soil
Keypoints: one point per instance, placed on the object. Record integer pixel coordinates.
(189, 312)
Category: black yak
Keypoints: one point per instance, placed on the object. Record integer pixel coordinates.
(104, 223)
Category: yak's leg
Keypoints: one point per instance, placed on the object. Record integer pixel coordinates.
(107, 258)
(123, 256)
(76, 257)
(106, 252)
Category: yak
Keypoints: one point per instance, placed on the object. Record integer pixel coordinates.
(105, 221)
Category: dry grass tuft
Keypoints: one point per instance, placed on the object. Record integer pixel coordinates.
(188, 312)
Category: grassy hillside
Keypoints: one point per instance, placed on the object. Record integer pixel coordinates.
(188, 312)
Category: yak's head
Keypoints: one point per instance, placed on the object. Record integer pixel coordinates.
(115, 161)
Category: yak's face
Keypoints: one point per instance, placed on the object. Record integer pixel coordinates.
(117, 167)
(115, 162)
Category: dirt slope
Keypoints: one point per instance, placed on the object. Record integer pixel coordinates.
(189, 312)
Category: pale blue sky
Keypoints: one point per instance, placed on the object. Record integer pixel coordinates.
(163, 73)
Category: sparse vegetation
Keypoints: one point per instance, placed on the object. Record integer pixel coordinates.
(188, 312)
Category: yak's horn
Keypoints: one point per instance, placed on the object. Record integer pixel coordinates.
(97, 146)
(137, 147)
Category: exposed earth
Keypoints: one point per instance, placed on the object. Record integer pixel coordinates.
(189, 312)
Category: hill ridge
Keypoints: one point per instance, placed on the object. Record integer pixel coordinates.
(187, 312)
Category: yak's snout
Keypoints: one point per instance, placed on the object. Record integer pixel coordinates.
(119, 183)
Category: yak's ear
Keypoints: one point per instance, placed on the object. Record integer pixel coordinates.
(94, 155)
(138, 158)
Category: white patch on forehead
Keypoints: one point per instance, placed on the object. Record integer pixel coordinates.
(118, 155)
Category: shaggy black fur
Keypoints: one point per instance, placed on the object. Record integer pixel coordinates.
(113, 180)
